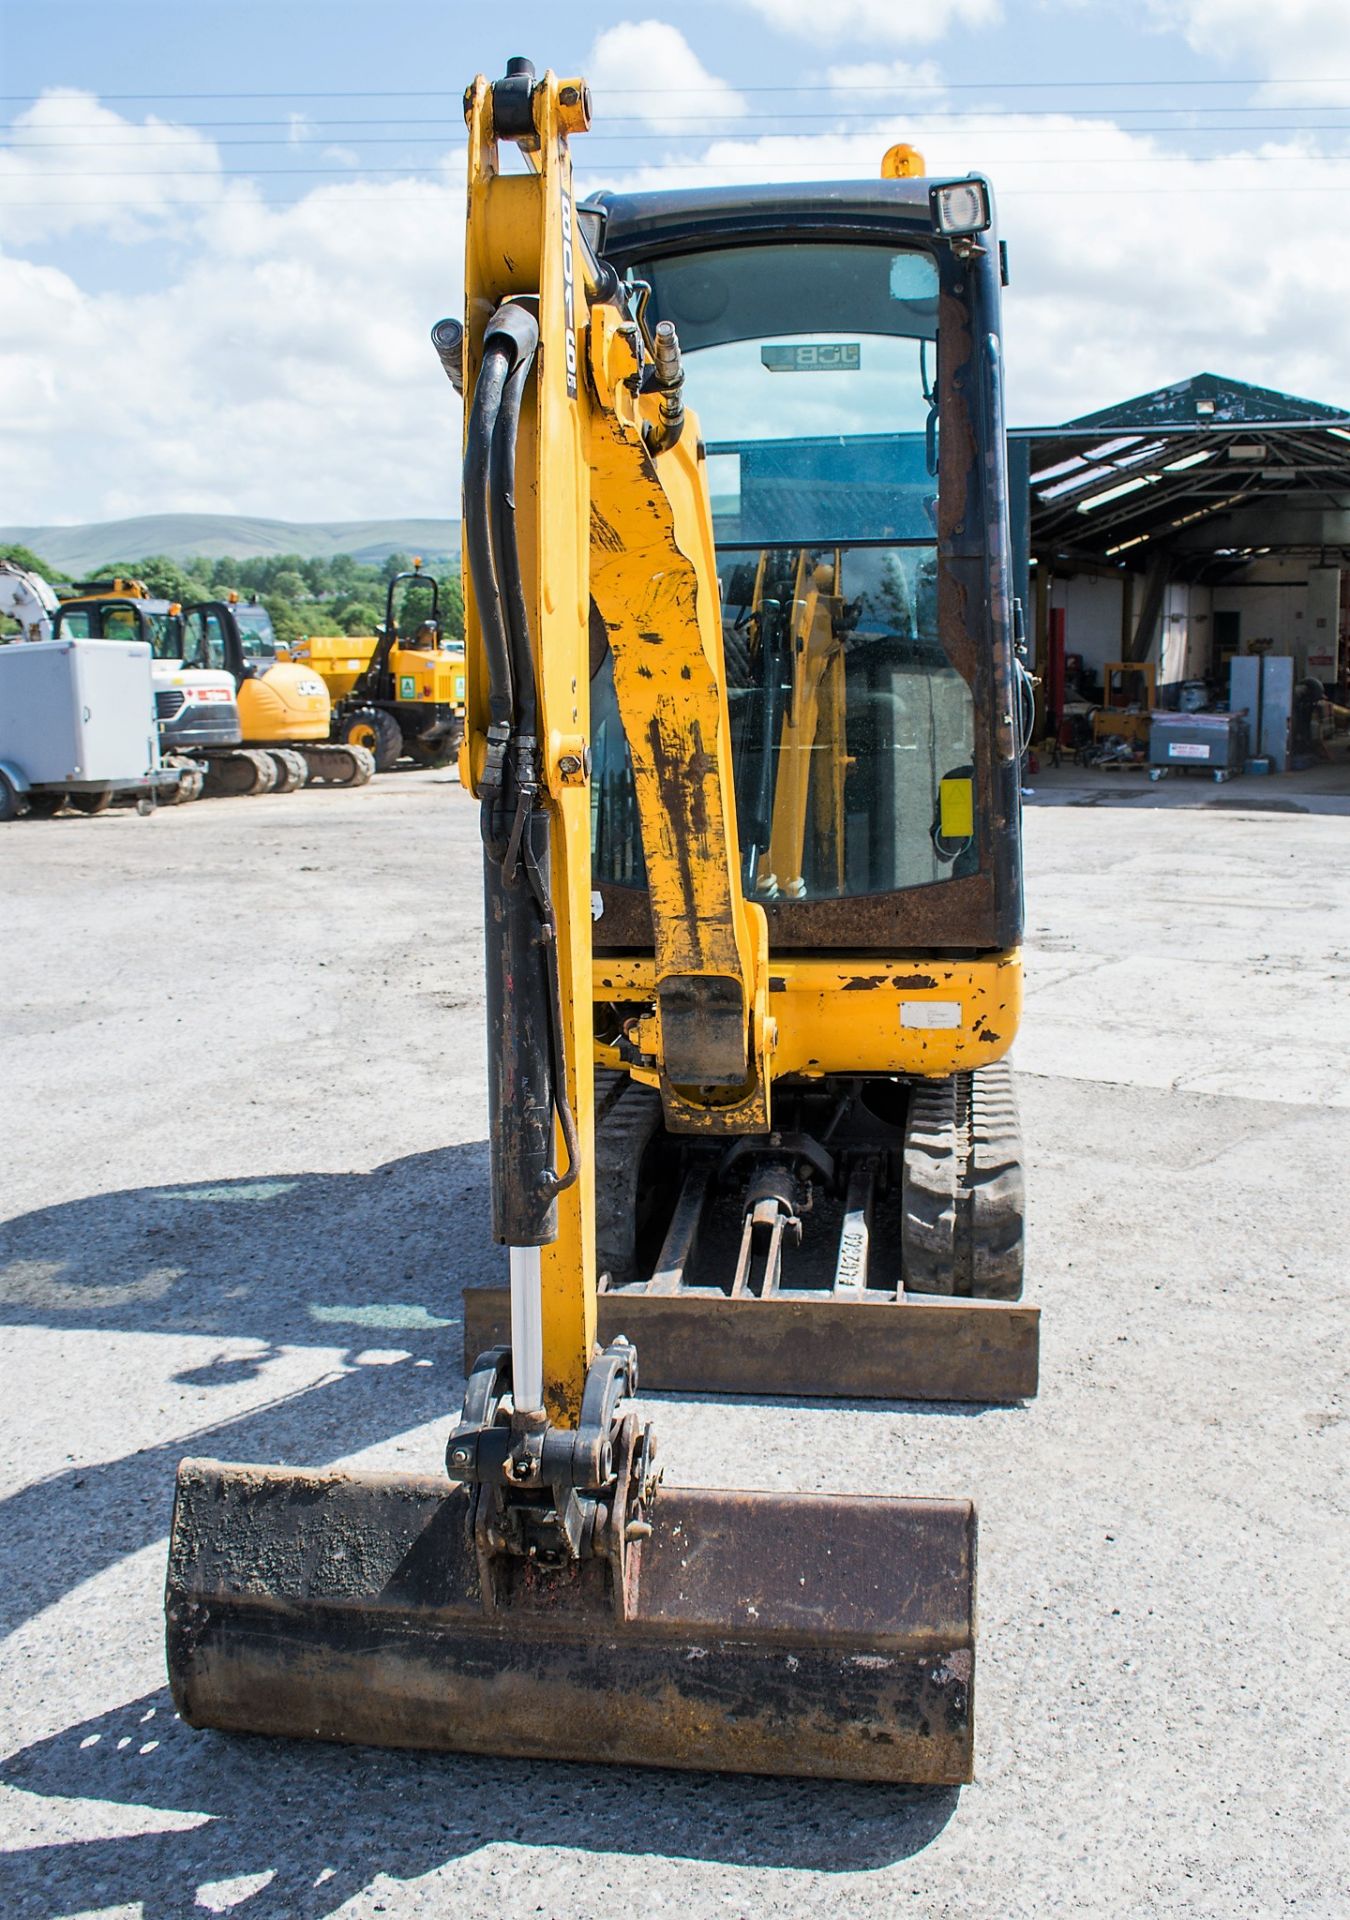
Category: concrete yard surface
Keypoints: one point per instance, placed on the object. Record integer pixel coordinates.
(245, 1184)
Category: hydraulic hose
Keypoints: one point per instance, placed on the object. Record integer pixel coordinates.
(526, 1053)
(517, 324)
(487, 401)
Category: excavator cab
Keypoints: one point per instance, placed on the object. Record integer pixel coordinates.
(742, 726)
(842, 354)
(195, 705)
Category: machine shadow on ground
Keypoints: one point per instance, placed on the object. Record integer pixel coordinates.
(351, 1262)
(417, 1812)
(912, 1409)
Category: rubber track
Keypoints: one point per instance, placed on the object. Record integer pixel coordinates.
(963, 1193)
(237, 771)
(627, 1117)
(292, 770)
(338, 766)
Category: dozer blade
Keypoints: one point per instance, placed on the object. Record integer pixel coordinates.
(763, 1633)
(916, 1347)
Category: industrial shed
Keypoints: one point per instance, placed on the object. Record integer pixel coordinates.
(1204, 520)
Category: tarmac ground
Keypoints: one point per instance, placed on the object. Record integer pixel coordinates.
(245, 1186)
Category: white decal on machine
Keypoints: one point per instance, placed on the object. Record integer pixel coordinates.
(569, 332)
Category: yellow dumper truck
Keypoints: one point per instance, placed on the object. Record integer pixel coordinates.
(396, 694)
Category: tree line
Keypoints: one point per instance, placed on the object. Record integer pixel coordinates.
(334, 594)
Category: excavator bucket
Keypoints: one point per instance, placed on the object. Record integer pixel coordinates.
(770, 1633)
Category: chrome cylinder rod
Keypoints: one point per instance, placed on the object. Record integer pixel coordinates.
(527, 1331)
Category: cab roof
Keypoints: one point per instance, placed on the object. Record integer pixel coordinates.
(624, 227)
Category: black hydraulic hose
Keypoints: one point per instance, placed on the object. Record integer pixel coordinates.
(487, 400)
(542, 887)
(520, 326)
(515, 821)
(767, 704)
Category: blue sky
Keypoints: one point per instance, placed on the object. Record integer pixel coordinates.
(224, 229)
(298, 47)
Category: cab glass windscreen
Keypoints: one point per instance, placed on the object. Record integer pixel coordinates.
(813, 371)
(256, 636)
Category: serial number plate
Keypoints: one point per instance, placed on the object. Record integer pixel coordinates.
(930, 1013)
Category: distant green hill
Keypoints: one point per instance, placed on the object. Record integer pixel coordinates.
(179, 536)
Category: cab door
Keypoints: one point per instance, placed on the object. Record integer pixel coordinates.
(210, 640)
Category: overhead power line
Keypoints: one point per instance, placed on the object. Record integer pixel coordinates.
(689, 166)
(453, 124)
(357, 170)
(1012, 193)
(918, 129)
(808, 87)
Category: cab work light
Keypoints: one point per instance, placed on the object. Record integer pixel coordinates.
(960, 207)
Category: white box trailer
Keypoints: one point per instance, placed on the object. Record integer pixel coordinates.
(77, 719)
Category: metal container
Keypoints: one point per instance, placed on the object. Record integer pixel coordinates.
(78, 713)
(1213, 743)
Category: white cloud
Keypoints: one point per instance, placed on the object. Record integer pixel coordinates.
(889, 22)
(1292, 41)
(1130, 266)
(72, 163)
(262, 374)
(646, 69)
(889, 76)
(257, 371)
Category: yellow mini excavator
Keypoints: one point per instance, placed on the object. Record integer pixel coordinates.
(284, 708)
(743, 722)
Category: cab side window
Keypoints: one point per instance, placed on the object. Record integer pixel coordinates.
(204, 640)
(120, 623)
(215, 641)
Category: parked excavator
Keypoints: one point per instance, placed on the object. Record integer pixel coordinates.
(28, 600)
(254, 722)
(284, 708)
(195, 706)
(743, 726)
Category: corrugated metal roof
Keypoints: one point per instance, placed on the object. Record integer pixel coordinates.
(1128, 475)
